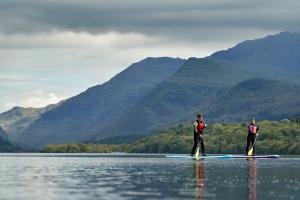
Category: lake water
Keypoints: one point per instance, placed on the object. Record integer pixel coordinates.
(138, 176)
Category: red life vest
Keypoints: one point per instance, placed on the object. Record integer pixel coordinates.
(200, 127)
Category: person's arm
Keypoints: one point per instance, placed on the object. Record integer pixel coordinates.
(195, 127)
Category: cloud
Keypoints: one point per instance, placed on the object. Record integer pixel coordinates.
(134, 23)
(37, 98)
(74, 40)
(152, 17)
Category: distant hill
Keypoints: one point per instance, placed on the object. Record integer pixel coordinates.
(18, 119)
(80, 117)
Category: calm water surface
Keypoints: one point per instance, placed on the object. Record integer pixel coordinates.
(100, 176)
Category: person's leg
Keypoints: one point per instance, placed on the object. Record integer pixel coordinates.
(195, 144)
(248, 143)
(202, 145)
(252, 141)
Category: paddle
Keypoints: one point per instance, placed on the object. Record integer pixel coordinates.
(250, 152)
(197, 154)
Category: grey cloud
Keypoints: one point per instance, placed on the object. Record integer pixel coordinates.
(147, 17)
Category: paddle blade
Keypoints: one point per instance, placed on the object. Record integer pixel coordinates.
(197, 154)
(250, 152)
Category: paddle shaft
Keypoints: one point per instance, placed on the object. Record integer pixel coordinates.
(254, 140)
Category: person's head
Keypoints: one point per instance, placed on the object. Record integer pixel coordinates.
(199, 117)
(252, 121)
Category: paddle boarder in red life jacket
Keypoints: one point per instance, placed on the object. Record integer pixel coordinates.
(252, 131)
(199, 127)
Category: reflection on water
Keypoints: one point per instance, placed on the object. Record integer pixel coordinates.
(98, 176)
(200, 180)
(252, 172)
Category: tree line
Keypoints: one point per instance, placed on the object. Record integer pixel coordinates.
(275, 137)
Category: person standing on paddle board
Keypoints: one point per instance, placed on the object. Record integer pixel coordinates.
(252, 134)
(199, 127)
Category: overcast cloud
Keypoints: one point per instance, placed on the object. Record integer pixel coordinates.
(53, 49)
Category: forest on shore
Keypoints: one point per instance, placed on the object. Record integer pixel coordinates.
(275, 137)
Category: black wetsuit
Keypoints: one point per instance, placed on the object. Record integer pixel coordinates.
(251, 139)
(198, 139)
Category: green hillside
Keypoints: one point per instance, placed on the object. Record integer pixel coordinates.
(275, 137)
(263, 98)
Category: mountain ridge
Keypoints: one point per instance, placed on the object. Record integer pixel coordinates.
(18, 118)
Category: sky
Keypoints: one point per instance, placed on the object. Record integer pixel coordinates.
(54, 49)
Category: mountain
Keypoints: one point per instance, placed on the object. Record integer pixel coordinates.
(257, 97)
(281, 50)
(18, 119)
(217, 87)
(255, 78)
(275, 56)
(81, 116)
(179, 98)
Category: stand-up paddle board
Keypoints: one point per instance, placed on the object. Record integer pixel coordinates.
(200, 157)
(260, 156)
(220, 156)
